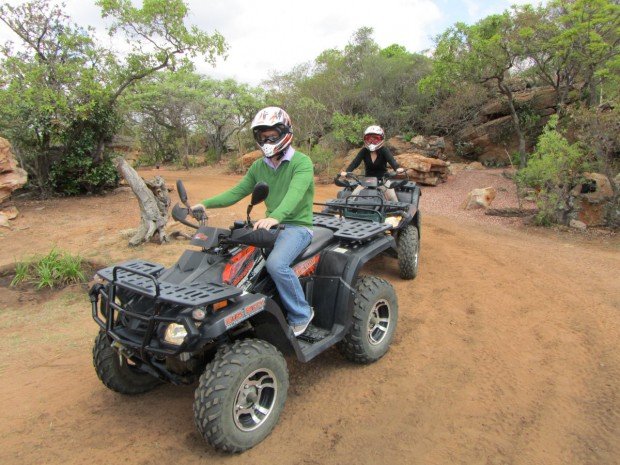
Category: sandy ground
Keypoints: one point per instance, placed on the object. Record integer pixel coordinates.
(507, 350)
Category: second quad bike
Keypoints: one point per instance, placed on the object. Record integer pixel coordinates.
(215, 317)
(371, 204)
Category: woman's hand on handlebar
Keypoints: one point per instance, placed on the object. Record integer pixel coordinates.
(266, 223)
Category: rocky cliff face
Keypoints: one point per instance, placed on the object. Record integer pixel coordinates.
(12, 177)
(491, 137)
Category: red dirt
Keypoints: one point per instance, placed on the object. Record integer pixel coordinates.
(507, 351)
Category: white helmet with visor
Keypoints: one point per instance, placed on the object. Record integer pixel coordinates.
(272, 130)
(373, 138)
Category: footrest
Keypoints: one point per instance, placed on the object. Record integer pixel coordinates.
(313, 334)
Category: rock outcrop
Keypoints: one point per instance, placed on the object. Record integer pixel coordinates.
(12, 177)
(492, 137)
(428, 146)
(592, 201)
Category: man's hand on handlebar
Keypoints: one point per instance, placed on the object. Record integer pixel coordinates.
(199, 211)
(400, 170)
(266, 223)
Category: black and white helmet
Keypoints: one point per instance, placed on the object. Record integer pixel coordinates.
(272, 118)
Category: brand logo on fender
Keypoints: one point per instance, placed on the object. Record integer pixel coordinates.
(307, 267)
(245, 313)
(201, 236)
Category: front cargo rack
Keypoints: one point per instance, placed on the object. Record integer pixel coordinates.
(141, 277)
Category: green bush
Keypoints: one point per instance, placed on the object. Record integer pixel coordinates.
(553, 170)
(350, 128)
(55, 269)
(77, 174)
(322, 158)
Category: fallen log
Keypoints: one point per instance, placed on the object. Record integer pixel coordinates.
(154, 202)
(511, 212)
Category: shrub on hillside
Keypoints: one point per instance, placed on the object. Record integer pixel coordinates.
(553, 170)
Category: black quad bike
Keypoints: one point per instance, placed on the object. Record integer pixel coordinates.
(371, 204)
(215, 316)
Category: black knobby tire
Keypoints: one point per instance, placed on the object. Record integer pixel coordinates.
(116, 373)
(375, 314)
(241, 394)
(408, 252)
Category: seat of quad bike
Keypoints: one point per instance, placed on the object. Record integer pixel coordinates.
(320, 237)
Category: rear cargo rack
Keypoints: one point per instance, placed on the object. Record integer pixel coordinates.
(348, 229)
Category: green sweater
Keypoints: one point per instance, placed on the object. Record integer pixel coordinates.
(291, 190)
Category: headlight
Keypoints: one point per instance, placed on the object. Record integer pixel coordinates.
(175, 334)
(99, 280)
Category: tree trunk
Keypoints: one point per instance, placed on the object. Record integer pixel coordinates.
(154, 202)
(515, 121)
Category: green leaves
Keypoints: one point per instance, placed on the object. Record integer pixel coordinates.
(59, 104)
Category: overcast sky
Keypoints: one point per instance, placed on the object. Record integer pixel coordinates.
(264, 37)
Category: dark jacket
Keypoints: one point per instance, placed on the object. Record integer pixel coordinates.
(379, 167)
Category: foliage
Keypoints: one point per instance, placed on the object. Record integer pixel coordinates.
(181, 114)
(554, 169)
(59, 92)
(323, 158)
(350, 128)
(55, 269)
(361, 79)
(570, 41)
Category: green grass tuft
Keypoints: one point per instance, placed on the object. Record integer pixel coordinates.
(55, 269)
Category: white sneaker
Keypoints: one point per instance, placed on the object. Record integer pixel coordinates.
(300, 328)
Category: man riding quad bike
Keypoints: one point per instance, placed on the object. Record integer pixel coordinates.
(215, 317)
(365, 198)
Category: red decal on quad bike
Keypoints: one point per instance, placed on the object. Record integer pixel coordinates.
(201, 236)
(245, 313)
(307, 267)
(236, 317)
(255, 307)
(239, 265)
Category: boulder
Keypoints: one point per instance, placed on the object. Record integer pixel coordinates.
(479, 198)
(11, 212)
(577, 224)
(424, 170)
(475, 165)
(397, 145)
(250, 157)
(592, 200)
(12, 177)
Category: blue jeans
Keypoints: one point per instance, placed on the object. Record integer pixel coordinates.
(289, 244)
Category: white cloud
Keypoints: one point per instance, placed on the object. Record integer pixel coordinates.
(265, 37)
(276, 37)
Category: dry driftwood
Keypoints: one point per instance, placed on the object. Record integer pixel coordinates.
(511, 212)
(154, 202)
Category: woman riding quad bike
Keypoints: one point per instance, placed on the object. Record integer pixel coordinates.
(376, 158)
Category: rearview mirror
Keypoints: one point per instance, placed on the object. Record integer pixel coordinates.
(182, 192)
(260, 193)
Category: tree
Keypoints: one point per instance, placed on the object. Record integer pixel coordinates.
(59, 100)
(571, 41)
(227, 107)
(485, 52)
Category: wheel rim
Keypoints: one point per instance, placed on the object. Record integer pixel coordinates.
(255, 399)
(379, 322)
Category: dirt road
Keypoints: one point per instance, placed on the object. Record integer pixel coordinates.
(507, 352)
